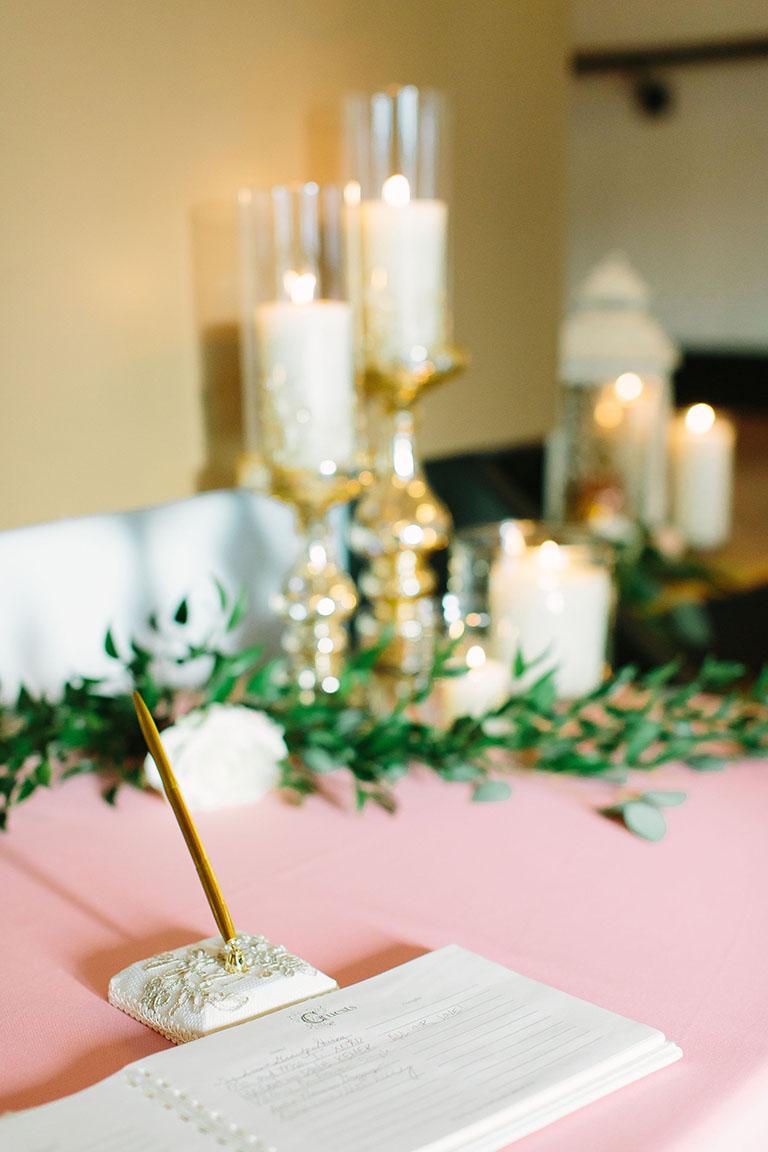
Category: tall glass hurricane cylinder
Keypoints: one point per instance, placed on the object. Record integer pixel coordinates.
(300, 389)
(398, 224)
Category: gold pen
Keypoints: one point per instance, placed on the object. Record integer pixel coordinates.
(234, 959)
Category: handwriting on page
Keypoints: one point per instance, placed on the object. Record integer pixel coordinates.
(452, 1057)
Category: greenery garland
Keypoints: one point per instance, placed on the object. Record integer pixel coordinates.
(629, 722)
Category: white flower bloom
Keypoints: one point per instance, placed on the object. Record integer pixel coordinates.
(222, 756)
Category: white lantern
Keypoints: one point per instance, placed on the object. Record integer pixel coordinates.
(607, 458)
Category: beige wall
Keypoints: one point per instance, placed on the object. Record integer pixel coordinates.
(686, 196)
(127, 126)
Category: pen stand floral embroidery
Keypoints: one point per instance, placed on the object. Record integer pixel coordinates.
(189, 992)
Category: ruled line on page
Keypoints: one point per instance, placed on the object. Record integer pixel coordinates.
(502, 1059)
(529, 1064)
(468, 1018)
(420, 1090)
(488, 1049)
(411, 1109)
(429, 1007)
(510, 1054)
(488, 1032)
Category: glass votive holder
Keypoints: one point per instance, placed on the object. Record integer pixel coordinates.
(465, 604)
(484, 683)
(544, 593)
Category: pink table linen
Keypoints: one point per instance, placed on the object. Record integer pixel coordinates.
(673, 934)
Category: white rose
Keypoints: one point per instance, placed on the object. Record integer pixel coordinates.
(222, 756)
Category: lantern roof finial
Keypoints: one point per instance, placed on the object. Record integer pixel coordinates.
(610, 330)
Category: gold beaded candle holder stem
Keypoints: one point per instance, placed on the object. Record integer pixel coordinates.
(399, 524)
(318, 597)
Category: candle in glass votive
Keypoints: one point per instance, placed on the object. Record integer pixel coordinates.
(484, 685)
(404, 273)
(308, 365)
(552, 599)
(702, 476)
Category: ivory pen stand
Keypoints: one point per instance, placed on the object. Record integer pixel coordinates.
(188, 992)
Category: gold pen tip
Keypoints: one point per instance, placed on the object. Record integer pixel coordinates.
(234, 961)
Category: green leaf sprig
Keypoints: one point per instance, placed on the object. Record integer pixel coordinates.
(630, 722)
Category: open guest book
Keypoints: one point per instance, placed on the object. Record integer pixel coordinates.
(449, 1051)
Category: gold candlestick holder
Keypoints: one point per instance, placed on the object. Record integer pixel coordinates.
(400, 523)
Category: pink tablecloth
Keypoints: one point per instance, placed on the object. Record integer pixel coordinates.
(674, 934)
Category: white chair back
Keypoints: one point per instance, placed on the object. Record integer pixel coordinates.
(63, 584)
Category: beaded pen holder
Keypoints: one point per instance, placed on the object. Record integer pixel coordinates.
(188, 992)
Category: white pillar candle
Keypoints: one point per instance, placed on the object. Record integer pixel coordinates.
(306, 351)
(484, 685)
(404, 274)
(549, 599)
(702, 476)
(632, 417)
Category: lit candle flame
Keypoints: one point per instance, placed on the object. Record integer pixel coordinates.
(300, 288)
(396, 191)
(699, 419)
(512, 539)
(352, 193)
(550, 556)
(628, 386)
(475, 656)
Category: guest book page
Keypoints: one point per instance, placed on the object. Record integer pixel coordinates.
(449, 1051)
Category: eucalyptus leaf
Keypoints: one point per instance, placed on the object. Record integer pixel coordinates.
(110, 794)
(664, 799)
(7, 784)
(543, 694)
(623, 677)
(26, 789)
(760, 689)
(461, 770)
(615, 775)
(222, 593)
(318, 760)
(349, 721)
(706, 763)
(239, 611)
(491, 790)
(43, 774)
(220, 689)
(661, 675)
(645, 820)
(640, 737)
(690, 621)
(720, 672)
